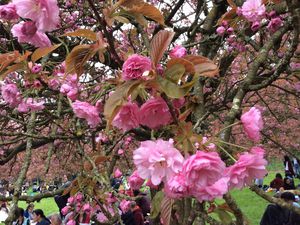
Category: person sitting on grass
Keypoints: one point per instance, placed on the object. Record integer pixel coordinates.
(21, 220)
(39, 217)
(288, 184)
(277, 215)
(277, 183)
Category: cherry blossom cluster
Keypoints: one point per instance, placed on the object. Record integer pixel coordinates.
(37, 17)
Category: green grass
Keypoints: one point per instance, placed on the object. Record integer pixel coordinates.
(48, 205)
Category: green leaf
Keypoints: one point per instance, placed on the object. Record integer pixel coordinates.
(169, 83)
(156, 203)
(224, 216)
(175, 72)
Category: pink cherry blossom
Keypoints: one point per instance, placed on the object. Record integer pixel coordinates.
(117, 173)
(203, 169)
(128, 117)
(111, 198)
(8, 12)
(71, 200)
(70, 87)
(252, 123)
(221, 30)
(253, 10)
(102, 137)
(135, 66)
(65, 210)
(26, 32)
(178, 103)
(255, 26)
(85, 110)
(135, 181)
(157, 160)
(31, 104)
(178, 52)
(86, 207)
(248, 167)
(155, 113)
(120, 151)
(45, 13)
(11, 94)
(101, 217)
(71, 222)
(176, 186)
(36, 68)
(209, 193)
(79, 197)
(274, 24)
(124, 205)
(54, 84)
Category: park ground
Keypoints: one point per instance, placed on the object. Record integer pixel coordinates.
(251, 204)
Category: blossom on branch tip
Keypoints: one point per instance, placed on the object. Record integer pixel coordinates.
(248, 167)
(128, 117)
(11, 95)
(253, 10)
(45, 13)
(155, 113)
(8, 12)
(178, 51)
(252, 123)
(85, 110)
(31, 104)
(26, 32)
(157, 160)
(134, 67)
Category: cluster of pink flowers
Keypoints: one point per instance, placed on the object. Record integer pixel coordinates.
(43, 15)
(154, 113)
(248, 166)
(70, 87)
(254, 11)
(202, 175)
(74, 207)
(275, 22)
(252, 123)
(135, 66)
(235, 44)
(85, 110)
(11, 95)
(224, 29)
(177, 52)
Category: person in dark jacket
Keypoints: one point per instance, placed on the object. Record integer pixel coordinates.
(288, 184)
(288, 167)
(276, 215)
(143, 202)
(128, 218)
(277, 183)
(39, 217)
(137, 214)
